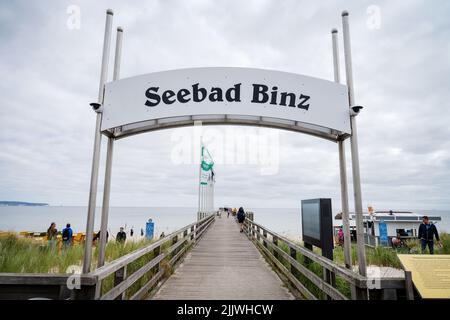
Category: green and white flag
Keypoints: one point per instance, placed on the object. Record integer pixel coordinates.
(207, 165)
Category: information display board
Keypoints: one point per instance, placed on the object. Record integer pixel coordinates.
(317, 225)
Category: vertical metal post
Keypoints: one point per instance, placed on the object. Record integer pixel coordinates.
(354, 150)
(200, 181)
(207, 197)
(109, 157)
(212, 194)
(342, 165)
(97, 142)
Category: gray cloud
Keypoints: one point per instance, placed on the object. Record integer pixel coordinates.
(50, 74)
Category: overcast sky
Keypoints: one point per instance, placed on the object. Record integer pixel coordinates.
(50, 73)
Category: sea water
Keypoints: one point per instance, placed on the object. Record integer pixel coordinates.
(285, 221)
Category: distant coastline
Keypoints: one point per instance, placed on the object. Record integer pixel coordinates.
(22, 204)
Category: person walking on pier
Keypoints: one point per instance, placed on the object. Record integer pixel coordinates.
(121, 236)
(241, 218)
(427, 233)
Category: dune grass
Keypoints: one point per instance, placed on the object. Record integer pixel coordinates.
(379, 256)
(23, 255)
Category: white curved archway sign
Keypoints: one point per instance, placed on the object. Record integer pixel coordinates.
(226, 96)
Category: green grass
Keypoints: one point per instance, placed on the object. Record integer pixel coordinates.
(380, 256)
(22, 255)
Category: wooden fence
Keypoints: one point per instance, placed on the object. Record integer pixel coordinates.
(131, 276)
(316, 277)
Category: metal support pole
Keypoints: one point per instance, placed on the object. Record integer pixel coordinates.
(207, 197)
(342, 165)
(354, 150)
(97, 143)
(212, 195)
(200, 182)
(204, 198)
(109, 157)
(208, 192)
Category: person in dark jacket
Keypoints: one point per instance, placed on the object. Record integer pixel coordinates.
(427, 233)
(241, 218)
(121, 236)
(67, 235)
(97, 236)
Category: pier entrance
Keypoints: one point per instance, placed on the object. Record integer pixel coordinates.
(225, 96)
(224, 265)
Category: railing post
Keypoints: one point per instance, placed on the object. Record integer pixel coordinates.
(174, 239)
(84, 293)
(330, 278)
(293, 254)
(198, 229)
(409, 286)
(156, 252)
(265, 238)
(192, 232)
(119, 276)
(275, 243)
(361, 293)
(307, 260)
(258, 233)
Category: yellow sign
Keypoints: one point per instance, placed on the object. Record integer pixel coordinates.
(430, 274)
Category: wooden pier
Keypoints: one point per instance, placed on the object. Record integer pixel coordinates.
(224, 265)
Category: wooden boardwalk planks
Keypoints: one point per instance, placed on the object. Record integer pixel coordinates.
(224, 265)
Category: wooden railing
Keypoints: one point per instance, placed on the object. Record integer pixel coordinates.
(286, 255)
(131, 276)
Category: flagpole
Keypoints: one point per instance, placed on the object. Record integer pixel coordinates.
(199, 179)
